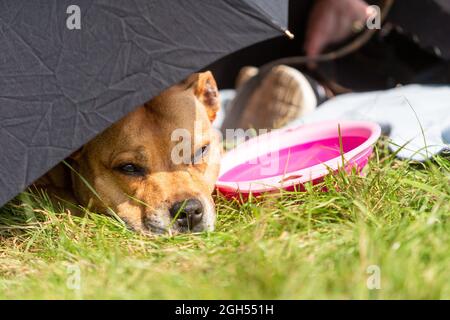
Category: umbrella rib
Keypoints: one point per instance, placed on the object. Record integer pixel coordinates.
(263, 17)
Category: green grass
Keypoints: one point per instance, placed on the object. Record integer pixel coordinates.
(296, 245)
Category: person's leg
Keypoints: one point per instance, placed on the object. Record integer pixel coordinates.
(427, 22)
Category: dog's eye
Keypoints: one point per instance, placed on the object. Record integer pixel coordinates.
(200, 153)
(131, 169)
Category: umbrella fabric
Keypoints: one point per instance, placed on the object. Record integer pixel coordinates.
(61, 86)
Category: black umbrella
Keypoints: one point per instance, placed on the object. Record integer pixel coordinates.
(69, 69)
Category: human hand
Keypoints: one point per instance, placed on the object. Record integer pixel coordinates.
(332, 21)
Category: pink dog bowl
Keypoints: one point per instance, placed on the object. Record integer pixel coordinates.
(286, 159)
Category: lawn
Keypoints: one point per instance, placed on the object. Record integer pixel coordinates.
(390, 225)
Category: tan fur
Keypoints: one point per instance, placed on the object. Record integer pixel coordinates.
(144, 138)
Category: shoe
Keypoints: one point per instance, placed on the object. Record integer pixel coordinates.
(283, 95)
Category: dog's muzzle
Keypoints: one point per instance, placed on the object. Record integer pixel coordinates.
(190, 215)
(187, 214)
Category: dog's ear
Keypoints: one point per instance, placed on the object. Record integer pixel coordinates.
(205, 88)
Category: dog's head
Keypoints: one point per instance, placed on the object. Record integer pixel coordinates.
(157, 167)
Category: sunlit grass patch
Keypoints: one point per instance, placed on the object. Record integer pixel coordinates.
(293, 245)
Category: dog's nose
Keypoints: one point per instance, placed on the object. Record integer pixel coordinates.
(188, 213)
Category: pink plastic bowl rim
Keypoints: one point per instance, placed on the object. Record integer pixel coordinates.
(289, 138)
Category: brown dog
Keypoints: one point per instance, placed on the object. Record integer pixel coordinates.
(139, 167)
